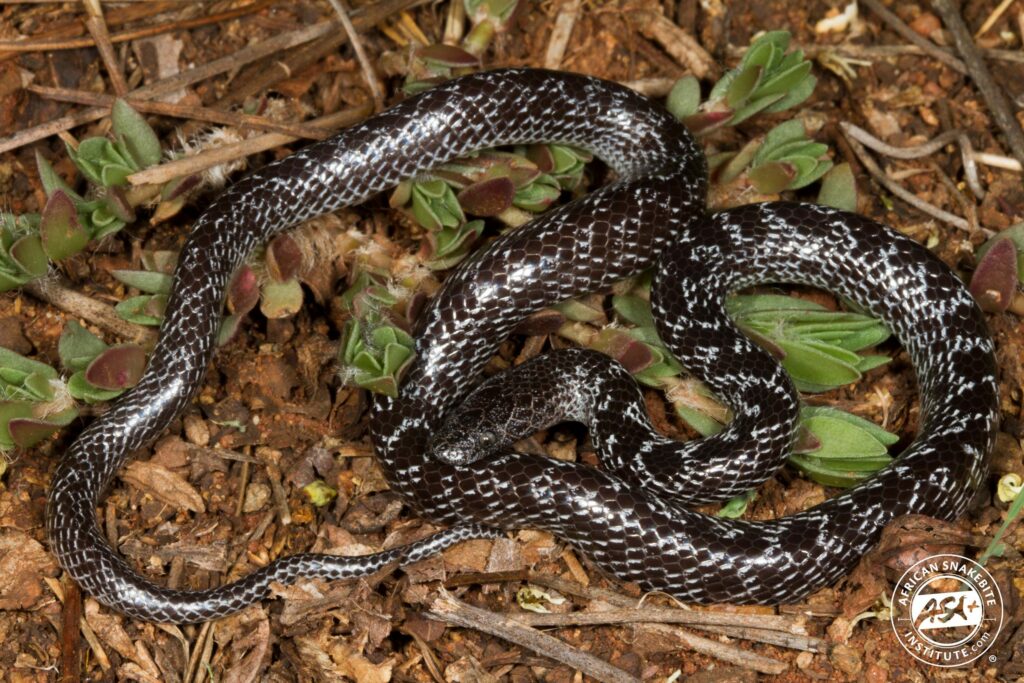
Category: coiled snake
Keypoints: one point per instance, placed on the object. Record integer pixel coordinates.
(654, 213)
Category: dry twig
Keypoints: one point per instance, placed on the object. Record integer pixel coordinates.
(133, 34)
(747, 627)
(98, 28)
(183, 111)
(683, 47)
(994, 96)
(79, 305)
(453, 611)
(222, 155)
(886, 181)
(993, 17)
(357, 45)
(967, 153)
(898, 25)
(560, 34)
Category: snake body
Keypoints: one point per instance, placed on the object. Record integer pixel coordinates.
(652, 214)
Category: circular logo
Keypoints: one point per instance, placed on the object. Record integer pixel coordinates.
(947, 610)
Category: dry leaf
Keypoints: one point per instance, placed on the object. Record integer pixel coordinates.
(108, 627)
(256, 641)
(359, 668)
(23, 564)
(163, 484)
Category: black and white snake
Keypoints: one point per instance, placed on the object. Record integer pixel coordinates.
(653, 214)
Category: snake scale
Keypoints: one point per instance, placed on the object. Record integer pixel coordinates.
(652, 214)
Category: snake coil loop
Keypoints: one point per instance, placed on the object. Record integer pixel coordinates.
(652, 215)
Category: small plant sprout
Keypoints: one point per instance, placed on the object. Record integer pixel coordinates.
(784, 160)
(488, 17)
(69, 220)
(508, 186)
(999, 276)
(22, 257)
(154, 284)
(819, 348)
(101, 372)
(34, 402)
(1012, 484)
(839, 449)
(735, 508)
(767, 80)
(376, 356)
(106, 164)
(435, 64)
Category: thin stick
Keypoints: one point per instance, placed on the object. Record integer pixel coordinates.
(726, 653)
(132, 34)
(98, 28)
(70, 633)
(967, 153)
(791, 641)
(968, 207)
(652, 87)
(914, 152)
(883, 179)
(174, 83)
(737, 625)
(683, 47)
(993, 18)
(970, 160)
(560, 34)
(357, 45)
(79, 305)
(898, 25)
(220, 155)
(661, 615)
(886, 51)
(450, 610)
(998, 161)
(182, 111)
(994, 96)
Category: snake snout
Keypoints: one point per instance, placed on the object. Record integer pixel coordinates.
(453, 451)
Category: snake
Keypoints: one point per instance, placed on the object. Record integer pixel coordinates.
(651, 214)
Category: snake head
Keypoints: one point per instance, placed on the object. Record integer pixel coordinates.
(483, 426)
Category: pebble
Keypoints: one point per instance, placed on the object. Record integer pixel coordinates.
(256, 497)
(11, 336)
(197, 431)
(846, 659)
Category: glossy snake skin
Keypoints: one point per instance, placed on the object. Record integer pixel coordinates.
(655, 208)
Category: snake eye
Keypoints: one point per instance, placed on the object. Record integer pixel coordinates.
(487, 439)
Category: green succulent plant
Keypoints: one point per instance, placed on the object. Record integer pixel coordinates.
(816, 346)
(785, 159)
(840, 449)
(100, 372)
(768, 80)
(375, 356)
(34, 402)
(999, 275)
(22, 257)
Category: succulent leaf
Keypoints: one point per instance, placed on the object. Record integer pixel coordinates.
(78, 346)
(138, 140)
(60, 229)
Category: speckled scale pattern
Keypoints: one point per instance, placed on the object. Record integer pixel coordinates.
(655, 207)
